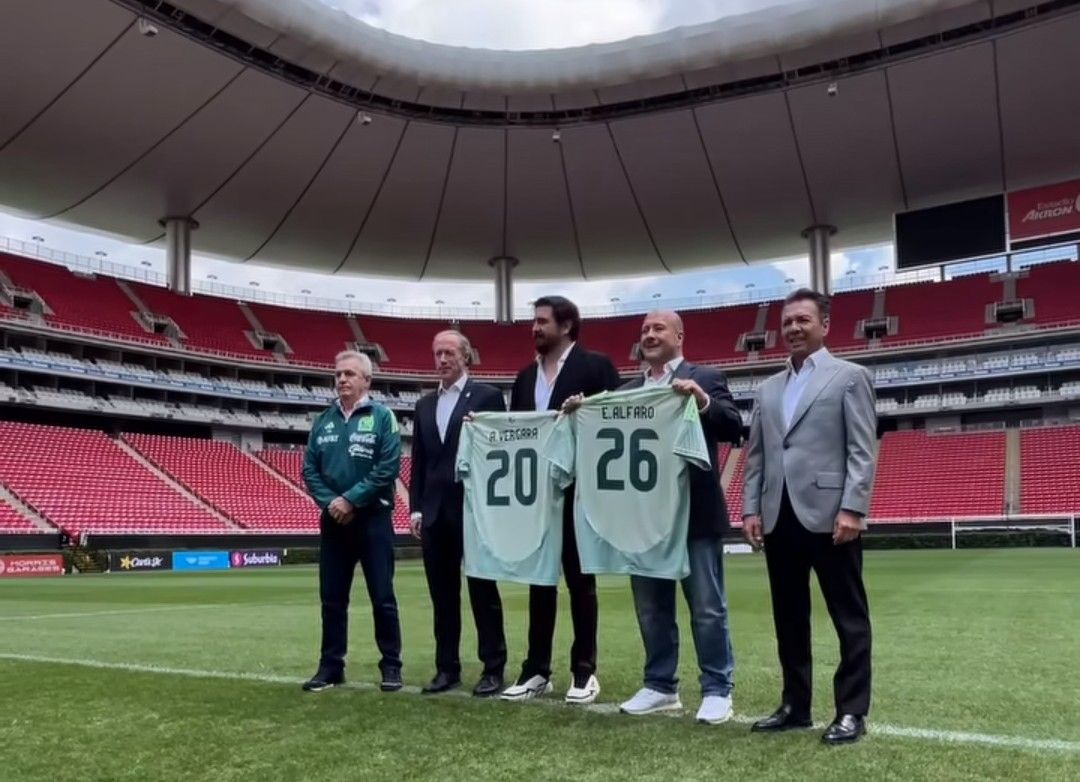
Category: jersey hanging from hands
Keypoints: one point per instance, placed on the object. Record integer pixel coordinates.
(628, 453)
(513, 503)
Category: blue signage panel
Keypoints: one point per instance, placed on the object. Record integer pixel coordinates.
(200, 560)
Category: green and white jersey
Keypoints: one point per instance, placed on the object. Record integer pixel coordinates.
(513, 503)
(628, 453)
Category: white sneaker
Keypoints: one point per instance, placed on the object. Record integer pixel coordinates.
(533, 687)
(647, 701)
(715, 709)
(584, 694)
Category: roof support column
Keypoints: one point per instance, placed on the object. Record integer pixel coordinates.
(178, 253)
(504, 287)
(820, 270)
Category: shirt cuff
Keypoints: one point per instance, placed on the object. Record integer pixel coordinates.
(708, 401)
(415, 517)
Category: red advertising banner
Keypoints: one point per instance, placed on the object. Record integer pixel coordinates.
(31, 565)
(1044, 211)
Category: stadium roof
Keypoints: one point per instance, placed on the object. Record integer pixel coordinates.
(301, 138)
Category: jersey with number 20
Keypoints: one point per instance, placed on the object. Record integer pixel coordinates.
(628, 453)
(513, 503)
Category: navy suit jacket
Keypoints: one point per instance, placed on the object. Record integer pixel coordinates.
(433, 491)
(721, 422)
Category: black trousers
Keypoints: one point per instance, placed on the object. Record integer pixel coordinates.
(368, 540)
(543, 607)
(791, 551)
(443, 551)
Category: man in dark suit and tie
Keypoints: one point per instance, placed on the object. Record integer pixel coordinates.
(562, 369)
(810, 463)
(437, 503)
(654, 598)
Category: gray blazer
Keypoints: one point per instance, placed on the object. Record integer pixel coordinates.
(826, 457)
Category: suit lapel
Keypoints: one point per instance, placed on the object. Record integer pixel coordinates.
(822, 374)
(427, 420)
(773, 400)
(683, 371)
(568, 370)
(458, 413)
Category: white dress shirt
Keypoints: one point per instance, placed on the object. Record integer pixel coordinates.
(797, 382)
(666, 378)
(445, 404)
(669, 375)
(542, 390)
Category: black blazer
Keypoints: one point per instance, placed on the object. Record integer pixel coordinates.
(432, 489)
(584, 372)
(721, 423)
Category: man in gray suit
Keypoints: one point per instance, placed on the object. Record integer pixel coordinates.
(809, 471)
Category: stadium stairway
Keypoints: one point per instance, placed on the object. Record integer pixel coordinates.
(174, 484)
(85, 560)
(290, 485)
(21, 509)
(286, 464)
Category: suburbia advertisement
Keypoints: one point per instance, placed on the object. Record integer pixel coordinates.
(31, 565)
(256, 558)
(130, 561)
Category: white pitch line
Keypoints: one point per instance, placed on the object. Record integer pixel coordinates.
(892, 731)
(121, 611)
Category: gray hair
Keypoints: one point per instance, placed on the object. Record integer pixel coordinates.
(366, 367)
(463, 343)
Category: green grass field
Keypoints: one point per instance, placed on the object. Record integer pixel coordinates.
(184, 676)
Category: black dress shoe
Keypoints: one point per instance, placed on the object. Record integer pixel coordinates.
(323, 680)
(490, 684)
(391, 680)
(845, 729)
(443, 682)
(784, 718)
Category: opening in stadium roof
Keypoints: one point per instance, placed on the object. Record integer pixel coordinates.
(298, 136)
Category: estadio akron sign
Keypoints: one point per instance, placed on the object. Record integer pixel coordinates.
(1039, 212)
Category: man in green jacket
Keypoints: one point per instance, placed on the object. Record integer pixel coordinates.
(350, 468)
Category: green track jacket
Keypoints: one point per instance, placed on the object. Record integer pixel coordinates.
(356, 459)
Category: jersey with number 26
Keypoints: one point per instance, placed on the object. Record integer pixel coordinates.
(628, 453)
(513, 503)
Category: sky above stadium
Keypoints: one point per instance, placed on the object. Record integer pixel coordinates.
(528, 24)
(499, 24)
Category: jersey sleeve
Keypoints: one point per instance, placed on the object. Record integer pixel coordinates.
(689, 438)
(559, 449)
(463, 458)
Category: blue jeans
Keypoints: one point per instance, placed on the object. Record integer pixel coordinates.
(654, 601)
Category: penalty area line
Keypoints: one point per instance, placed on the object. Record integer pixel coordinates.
(962, 738)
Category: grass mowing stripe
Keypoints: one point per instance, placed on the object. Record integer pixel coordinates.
(891, 731)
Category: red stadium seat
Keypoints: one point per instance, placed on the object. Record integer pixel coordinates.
(232, 482)
(924, 476)
(80, 480)
(1049, 468)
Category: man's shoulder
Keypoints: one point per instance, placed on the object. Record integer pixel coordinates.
(701, 372)
(483, 388)
(589, 356)
(848, 368)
